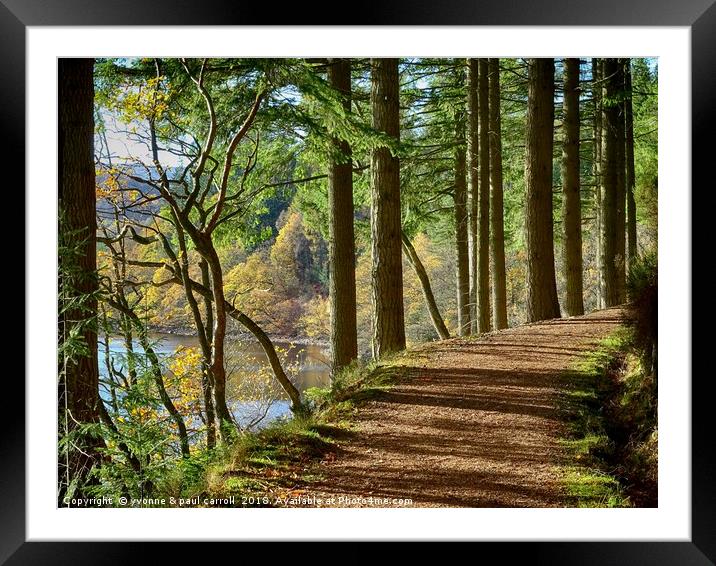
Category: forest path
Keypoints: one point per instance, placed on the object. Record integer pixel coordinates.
(474, 423)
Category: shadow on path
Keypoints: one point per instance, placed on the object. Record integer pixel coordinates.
(473, 423)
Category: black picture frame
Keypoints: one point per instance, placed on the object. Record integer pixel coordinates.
(699, 15)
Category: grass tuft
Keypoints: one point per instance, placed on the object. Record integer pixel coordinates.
(610, 408)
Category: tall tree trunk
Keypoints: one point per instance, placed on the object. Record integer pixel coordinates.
(207, 380)
(387, 270)
(483, 285)
(497, 249)
(78, 387)
(621, 187)
(227, 425)
(610, 141)
(473, 165)
(432, 306)
(542, 300)
(597, 172)
(341, 243)
(571, 201)
(630, 176)
(462, 257)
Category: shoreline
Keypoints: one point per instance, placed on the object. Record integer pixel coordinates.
(189, 332)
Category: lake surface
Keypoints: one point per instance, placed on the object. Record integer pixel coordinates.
(252, 391)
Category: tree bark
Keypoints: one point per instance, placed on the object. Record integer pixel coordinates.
(227, 425)
(341, 242)
(462, 258)
(571, 201)
(542, 300)
(484, 323)
(497, 249)
(630, 176)
(207, 329)
(610, 141)
(473, 165)
(597, 172)
(78, 387)
(387, 270)
(432, 306)
(621, 186)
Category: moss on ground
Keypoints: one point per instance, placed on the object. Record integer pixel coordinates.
(610, 407)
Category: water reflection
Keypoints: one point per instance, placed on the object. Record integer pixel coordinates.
(253, 395)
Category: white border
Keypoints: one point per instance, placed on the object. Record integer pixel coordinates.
(671, 521)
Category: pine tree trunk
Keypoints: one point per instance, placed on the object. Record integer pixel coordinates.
(432, 306)
(483, 286)
(542, 300)
(630, 176)
(78, 386)
(473, 166)
(341, 243)
(597, 172)
(462, 257)
(571, 201)
(499, 282)
(387, 270)
(610, 141)
(621, 187)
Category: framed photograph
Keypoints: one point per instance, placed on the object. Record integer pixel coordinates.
(241, 168)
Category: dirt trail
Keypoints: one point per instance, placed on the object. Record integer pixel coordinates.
(474, 424)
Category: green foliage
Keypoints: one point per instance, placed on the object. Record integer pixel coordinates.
(77, 319)
(71, 301)
(643, 294)
(645, 100)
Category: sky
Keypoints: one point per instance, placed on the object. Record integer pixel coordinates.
(125, 148)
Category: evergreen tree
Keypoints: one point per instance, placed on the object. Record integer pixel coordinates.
(571, 201)
(609, 182)
(497, 216)
(78, 388)
(483, 285)
(387, 270)
(341, 255)
(542, 301)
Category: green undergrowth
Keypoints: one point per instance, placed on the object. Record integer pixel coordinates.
(611, 438)
(264, 466)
